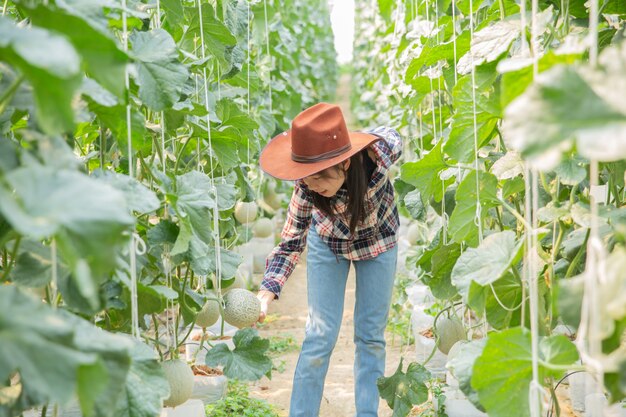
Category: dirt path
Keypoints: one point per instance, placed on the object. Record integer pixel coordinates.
(288, 317)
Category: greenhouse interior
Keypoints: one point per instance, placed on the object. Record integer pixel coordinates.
(442, 181)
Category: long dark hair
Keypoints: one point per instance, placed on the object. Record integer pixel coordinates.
(356, 185)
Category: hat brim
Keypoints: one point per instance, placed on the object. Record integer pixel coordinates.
(276, 159)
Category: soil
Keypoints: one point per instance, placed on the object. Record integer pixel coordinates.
(204, 370)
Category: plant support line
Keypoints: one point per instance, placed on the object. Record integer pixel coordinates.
(216, 225)
(132, 246)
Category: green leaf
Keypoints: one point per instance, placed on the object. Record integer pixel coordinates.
(160, 75)
(434, 52)
(557, 108)
(415, 206)
(486, 263)
(509, 166)
(145, 387)
(461, 366)
(217, 38)
(489, 44)
(403, 390)
(517, 74)
(508, 291)
(51, 65)
(86, 216)
(139, 198)
(460, 145)
(502, 373)
(424, 174)
(570, 172)
(114, 118)
(462, 226)
(248, 361)
(443, 261)
(38, 343)
(86, 26)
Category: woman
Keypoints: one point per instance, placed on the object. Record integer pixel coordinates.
(343, 207)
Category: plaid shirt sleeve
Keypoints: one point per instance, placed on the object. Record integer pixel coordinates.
(282, 260)
(389, 149)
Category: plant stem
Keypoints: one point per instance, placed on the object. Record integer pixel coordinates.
(9, 267)
(578, 257)
(156, 335)
(10, 92)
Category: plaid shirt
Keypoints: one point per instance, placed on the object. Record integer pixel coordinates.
(372, 237)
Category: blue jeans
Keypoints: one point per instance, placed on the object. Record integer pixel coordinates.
(326, 284)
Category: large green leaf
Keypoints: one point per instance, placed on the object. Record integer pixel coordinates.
(508, 291)
(248, 361)
(86, 216)
(517, 73)
(51, 65)
(39, 344)
(145, 387)
(86, 26)
(462, 226)
(139, 198)
(217, 38)
(485, 102)
(503, 372)
(486, 263)
(404, 390)
(559, 107)
(114, 118)
(160, 74)
(443, 261)
(434, 51)
(424, 174)
(33, 266)
(489, 44)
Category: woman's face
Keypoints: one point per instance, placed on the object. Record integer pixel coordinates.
(329, 181)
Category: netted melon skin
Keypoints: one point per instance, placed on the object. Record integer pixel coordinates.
(241, 308)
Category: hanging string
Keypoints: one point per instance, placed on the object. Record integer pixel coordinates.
(248, 81)
(267, 44)
(478, 216)
(454, 41)
(55, 273)
(216, 225)
(132, 245)
(444, 215)
(536, 389)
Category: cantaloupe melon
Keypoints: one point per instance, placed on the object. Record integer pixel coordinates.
(263, 228)
(413, 233)
(210, 312)
(241, 308)
(449, 330)
(180, 378)
(245, 212)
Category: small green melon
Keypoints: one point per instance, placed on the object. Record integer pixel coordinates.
(241, 308)
(449, 330)
(210, 312)
(263, 228)
(245, 212)
(180, 377)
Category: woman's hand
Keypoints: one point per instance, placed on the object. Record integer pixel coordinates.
(265, 297)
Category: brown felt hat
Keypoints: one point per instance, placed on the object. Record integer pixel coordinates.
(318, 139)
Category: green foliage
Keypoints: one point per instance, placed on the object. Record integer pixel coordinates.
(238, 403)
(402, 390)
(248, 361)
(188, 125)
(475, 114)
